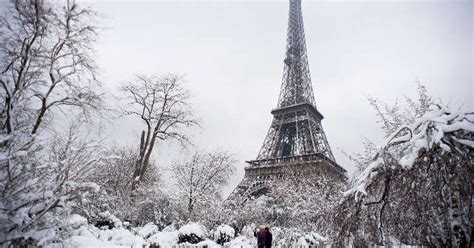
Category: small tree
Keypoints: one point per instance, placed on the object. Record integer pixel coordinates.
(200, 180)
(162, 104)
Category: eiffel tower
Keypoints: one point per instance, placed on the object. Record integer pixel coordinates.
(296, 138)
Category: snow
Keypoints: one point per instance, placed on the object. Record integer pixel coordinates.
(121, 236)
(91, 236)
(84, 235)
(108, 216)
(164, 239)
(193, 228)
(314, 238)
(224, 230)
(427, 132)
(469, 143)
(148, 230)
(242, 242)
(83, 241)
(76, 221)
(302, 242)
(206, 243)
(93, 186)
(42, 236)
(21, 154)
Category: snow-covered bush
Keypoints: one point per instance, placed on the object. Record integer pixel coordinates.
(248, 230)
(74, 222)
(242, 242)
(91, 236)
(286, 236)
(83, 235)
(165, 238)
(223, 234)
(192, 233)
(313, 239)
(148, 230)
(106, 220)
(147, 204)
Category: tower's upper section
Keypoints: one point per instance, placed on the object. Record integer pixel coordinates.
(296, 83)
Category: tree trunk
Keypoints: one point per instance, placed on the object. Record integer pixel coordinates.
(139, 163)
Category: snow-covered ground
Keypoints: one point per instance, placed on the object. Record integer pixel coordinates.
(84, 235)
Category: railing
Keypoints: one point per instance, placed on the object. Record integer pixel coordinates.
(294, 159)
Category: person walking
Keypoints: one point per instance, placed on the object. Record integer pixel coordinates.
(268, 238)
(261, 236)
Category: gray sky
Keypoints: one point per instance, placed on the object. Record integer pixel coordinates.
(231, 53)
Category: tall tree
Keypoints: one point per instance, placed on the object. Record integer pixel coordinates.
(45, 65)
(161, 102)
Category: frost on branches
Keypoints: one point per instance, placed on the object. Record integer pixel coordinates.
(418, 189)
(303, 198)
(199, 183)
(46, 65)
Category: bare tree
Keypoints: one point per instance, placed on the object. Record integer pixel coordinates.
(200, 180)
(46, 62)
(162, 104)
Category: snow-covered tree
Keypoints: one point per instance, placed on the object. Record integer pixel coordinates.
(200, 180)
(114, 175)
(45, 66)
(161, 102)
(46, 62)
(390, 119)
(307, 198)
(304, 198)
(417, 188)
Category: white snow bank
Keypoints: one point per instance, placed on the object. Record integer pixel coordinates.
(83, 241)
(91, 236)
(148, 230)
(207, 243)
(75, 221)
(121, 236)
(164, 239)
(94, 237)
(242, 242)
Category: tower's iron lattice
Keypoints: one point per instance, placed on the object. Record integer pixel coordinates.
(296, 136)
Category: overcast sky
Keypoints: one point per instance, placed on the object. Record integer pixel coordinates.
(231, 53)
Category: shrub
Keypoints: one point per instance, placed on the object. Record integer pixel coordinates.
(192, 233)
(223, 234)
